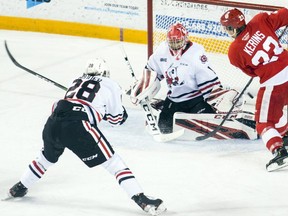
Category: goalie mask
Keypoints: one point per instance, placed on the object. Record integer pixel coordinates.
(97, 67)
(177, 37)
(233, 22)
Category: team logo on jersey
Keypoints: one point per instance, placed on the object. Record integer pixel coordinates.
(203, 59)
(163, 59)
(172, 77)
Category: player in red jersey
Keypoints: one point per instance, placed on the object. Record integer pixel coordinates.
(257, 51)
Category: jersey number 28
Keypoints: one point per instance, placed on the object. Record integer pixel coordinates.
(86, 92)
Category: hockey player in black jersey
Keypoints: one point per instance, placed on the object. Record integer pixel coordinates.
(73, 124)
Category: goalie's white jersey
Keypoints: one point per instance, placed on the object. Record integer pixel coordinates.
(188, 77)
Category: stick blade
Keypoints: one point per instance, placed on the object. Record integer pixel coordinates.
(168, 137)
(201, 138)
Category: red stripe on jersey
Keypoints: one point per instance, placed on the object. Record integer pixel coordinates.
(211, 85)
(115, 119)
(195, 94)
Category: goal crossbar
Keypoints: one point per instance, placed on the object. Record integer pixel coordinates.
(231, 4)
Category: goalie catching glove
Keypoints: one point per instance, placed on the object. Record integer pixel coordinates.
(222, 99)
(146, 88)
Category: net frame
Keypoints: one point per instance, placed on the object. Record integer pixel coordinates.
(205, 31)
(231, 4)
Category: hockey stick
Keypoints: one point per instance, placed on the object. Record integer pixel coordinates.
(150, 119)
(128, 92)
(128, 64)
(212, 133)
(284, 30)
(31, 71)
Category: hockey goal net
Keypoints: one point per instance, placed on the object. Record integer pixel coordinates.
(201, 18)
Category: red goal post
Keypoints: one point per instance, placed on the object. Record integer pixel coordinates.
(201, 18)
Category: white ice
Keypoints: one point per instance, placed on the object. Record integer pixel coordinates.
(204, 178)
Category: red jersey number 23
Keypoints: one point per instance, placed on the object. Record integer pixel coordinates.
(263, 55)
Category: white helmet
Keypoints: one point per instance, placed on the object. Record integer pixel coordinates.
(97, 67)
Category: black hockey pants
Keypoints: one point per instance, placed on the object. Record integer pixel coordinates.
(68, 126)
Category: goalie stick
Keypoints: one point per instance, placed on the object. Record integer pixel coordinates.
(31, 71)
(212, 133)
(150, 119)
(153, 127)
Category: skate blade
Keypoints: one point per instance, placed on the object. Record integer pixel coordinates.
(8, 197)
(275, 166)
(153, 211)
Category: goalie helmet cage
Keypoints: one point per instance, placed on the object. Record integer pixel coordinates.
(201, 18)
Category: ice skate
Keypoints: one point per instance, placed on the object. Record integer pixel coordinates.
(148, 204)
(279, 161)
(18, 190)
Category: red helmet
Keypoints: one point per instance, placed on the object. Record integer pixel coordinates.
(233, 18)
(177, 36)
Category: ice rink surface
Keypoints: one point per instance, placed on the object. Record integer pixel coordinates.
(204, 178)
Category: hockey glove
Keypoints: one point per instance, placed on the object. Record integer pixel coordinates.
(157, 104)
(124, 116)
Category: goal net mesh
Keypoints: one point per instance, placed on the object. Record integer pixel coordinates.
(202, 23)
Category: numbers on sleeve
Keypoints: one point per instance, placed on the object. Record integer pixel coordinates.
(87, 90)
(263, 56)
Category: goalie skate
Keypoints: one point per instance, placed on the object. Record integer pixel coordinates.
(168, 137)
(279, 161)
